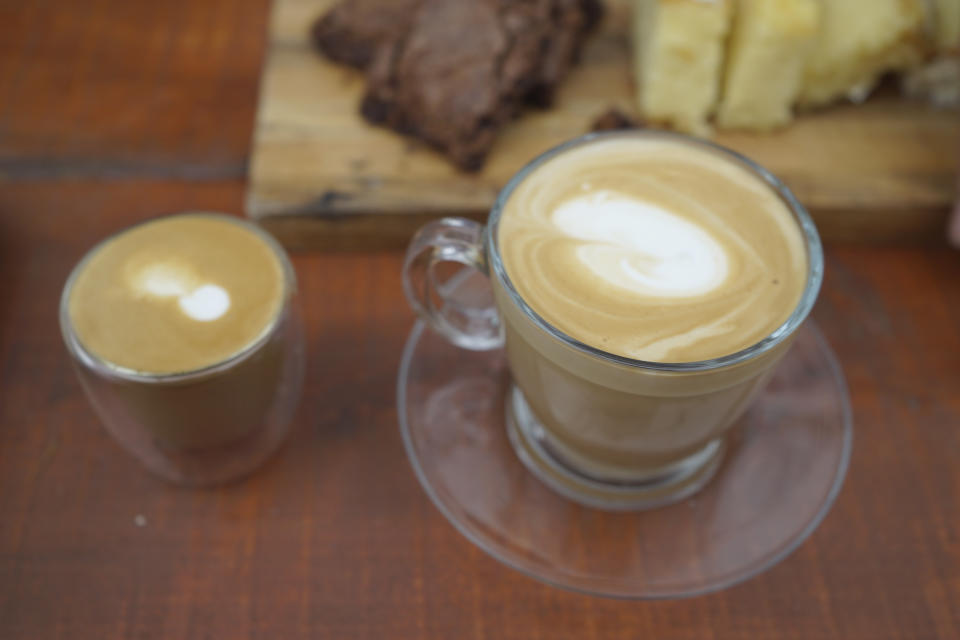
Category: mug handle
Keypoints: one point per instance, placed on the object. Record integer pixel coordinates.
(459, 240)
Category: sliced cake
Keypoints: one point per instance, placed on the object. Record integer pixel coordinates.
(464, 68)
(938, 81)
(767, 51)
(679, 49)
(946, 23)
(352, 30)
(859, 41)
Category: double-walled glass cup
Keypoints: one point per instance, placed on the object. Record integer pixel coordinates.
(602, 429)
(210, 425)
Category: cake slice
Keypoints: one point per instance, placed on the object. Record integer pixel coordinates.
(938, 81)
(453, 72)
(859, 41)
(570, 21)
(767, 51)
(946, 26)
(464, 68)
(678, 55)
(352, 30)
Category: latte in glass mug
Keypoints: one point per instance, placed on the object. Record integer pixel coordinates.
(653, 250)
(645, 284)
(187, 339)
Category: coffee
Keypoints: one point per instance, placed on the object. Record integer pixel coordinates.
(188, 343)
(176, 295)
(644, 286)
(653, 250)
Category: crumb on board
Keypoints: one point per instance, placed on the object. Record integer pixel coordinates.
(614, 120)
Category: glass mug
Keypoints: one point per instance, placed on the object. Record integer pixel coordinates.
(210, 425)
(602, 429)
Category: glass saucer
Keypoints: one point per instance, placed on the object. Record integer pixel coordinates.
(785, 465)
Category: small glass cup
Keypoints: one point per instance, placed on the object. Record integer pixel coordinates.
(211, 425)
(602, 429)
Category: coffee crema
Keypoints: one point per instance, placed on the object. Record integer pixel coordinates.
(655, 250)
(176, 295)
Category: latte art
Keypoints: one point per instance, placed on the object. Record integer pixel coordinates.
(201, 302)
(177, 294)
(206, 303)
(653, 250)
(641, 247)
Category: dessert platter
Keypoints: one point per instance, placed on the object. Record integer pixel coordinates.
(376, 116)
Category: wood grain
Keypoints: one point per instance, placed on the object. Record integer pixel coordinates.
(334, 538)
(880, 171)
(114, 89)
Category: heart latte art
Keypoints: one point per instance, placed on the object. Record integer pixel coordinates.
(176, 294)
(641, 247)
(203, 302)
(653, 250)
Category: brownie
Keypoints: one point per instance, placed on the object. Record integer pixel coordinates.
(453, 72)
(464, 68)
(458, 73)
(571, 21)
(352, 30)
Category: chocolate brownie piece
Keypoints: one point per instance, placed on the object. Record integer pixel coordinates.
(452, 72)
(571, 21)
(465, 67)
(352, 30)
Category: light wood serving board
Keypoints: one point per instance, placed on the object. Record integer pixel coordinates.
(321, 176)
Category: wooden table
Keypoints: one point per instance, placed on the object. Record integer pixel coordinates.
(113, 111)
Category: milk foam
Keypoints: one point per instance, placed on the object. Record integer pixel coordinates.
(203, 302)
(653, 249)
(163, 280)
(642, 247)
(177, 294)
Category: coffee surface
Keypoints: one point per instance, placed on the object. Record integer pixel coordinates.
(653, 249)
(176, 294)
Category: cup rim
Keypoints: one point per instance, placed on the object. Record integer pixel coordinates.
(812, 243)
(109, 369)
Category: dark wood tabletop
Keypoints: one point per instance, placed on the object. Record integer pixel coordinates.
(112, 111)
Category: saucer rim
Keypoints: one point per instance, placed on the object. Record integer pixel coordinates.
(737, 578)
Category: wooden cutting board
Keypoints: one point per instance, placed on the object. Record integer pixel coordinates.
(321, 176)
